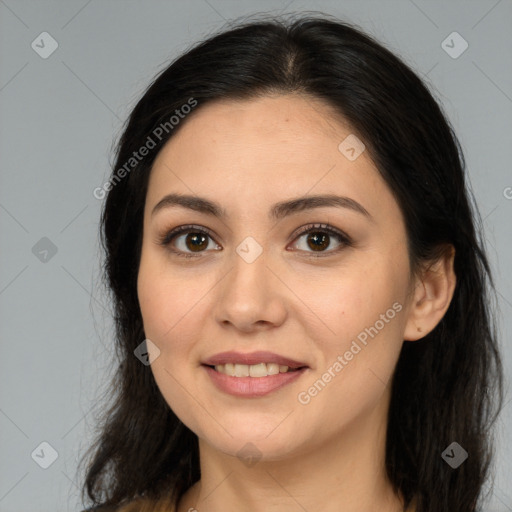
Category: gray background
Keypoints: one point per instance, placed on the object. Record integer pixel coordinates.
(59, 118)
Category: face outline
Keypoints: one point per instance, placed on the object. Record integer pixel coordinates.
(247, 156)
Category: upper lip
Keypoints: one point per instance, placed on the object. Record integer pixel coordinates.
(251, 359)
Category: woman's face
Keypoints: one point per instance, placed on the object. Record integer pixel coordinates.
(256, 283)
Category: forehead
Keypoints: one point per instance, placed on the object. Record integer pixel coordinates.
(279, 120)
(261, 150)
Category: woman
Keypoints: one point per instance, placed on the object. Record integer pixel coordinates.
(301, 293)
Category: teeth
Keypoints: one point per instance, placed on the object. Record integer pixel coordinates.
(253, 370)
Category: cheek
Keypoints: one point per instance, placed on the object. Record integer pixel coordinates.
(358, 362)
(362, 321)
(166, 305)
(166, 300)
(351, 299)
(152, 301)
(172, 303)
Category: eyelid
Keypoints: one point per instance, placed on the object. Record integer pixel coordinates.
(345, 240)
(169, 235)
(321, 226)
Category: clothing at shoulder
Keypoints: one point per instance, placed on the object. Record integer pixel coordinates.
(130, 507)
(100, 508)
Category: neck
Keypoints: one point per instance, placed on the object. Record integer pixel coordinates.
(344, 473)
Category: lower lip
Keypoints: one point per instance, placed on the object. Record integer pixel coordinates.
(252, 387)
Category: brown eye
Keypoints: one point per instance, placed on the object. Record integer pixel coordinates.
(318, 239)
(194, 240)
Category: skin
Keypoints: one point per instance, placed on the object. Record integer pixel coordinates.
(247, 155)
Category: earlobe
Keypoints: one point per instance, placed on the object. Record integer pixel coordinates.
(433, 294)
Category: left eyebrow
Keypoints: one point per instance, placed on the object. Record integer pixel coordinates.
(277, 211)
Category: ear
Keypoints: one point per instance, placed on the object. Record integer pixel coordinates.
(432, 296)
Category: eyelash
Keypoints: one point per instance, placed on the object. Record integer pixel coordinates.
(344, 239)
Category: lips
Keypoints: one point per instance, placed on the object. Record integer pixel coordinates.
(252, 387)
(253, 358)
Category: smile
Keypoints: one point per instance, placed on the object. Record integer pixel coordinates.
(253, 370)
(247, 386)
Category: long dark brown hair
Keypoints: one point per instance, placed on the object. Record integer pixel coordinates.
(447, 387)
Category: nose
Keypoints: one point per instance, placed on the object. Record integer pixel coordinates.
(251, 296)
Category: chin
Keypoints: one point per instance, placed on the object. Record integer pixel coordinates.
(249, 450)
(253, 439)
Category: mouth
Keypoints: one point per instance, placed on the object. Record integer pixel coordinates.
(254, 370)
(254, 364)
(252, 375)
